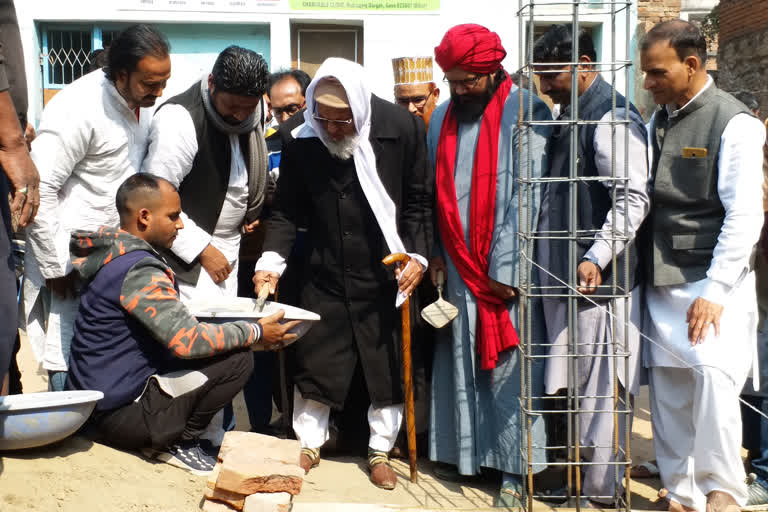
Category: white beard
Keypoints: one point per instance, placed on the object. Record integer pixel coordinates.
(343, 149)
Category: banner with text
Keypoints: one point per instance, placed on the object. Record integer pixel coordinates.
(205, 5)
(365, 5)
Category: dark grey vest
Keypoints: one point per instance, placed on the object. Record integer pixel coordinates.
(205, 187)
(593, 199)
(687, 214)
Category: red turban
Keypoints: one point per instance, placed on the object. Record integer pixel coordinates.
(471, 47)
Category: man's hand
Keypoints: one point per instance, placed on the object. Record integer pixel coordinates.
(250, 228)
(701, 314)
(589, 277)
(25, 182)
(502, 291)
(435, 264)
(63, 287)
(409, 278)
(215, 264)
(29, 135)
(265, 276)
(274, 332)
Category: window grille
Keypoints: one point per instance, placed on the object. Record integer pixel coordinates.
(67, 50)
(67, 55)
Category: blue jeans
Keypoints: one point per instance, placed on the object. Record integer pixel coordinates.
(755, 435)
(56, 380)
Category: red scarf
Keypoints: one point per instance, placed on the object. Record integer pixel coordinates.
(495, 332)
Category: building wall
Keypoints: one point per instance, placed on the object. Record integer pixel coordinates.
(743, 53)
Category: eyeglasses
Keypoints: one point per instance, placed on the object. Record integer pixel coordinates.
(335, 122)
(288, 109)
(417, 101)
(468, 83)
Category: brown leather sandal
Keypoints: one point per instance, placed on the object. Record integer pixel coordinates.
(382, 475)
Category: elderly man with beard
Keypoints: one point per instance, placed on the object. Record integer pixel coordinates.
(475, 416)
(357, 177)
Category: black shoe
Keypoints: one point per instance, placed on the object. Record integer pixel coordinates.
(188, 455)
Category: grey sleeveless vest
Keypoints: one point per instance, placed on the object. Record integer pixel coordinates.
(687, 213)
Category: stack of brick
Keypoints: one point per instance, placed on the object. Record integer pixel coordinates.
(255, 473)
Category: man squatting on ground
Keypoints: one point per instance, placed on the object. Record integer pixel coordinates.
(164, 375)
(706, 218)
(356, 176)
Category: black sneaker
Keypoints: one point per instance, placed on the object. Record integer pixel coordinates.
(210, 449)
(188, 455)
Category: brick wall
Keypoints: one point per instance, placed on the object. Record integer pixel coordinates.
(651, 12)
(742, 17)
(743, 50)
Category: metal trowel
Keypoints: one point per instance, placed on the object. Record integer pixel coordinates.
(441, 312)
(262, 298)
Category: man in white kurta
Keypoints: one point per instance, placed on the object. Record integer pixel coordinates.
(208, 141)
(599, 339)
(706, 219)
(92, 136)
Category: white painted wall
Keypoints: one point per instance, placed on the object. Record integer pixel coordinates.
(386, 34)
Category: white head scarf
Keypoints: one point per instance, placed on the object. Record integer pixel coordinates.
(352, 78)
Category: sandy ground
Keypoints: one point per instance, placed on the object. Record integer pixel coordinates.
(78, 475)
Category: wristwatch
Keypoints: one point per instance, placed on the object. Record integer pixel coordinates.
(592, 259)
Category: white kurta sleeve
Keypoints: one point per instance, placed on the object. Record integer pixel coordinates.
(62, 142)
(271, 262)
(739, 185)
(171, 153)
(634, 192)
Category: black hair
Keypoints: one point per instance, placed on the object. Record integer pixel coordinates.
(556, 45)
(684, 36)
(135, 185)
(521, 80)
(240, 71)
(301, 77)
(96, 60)
(133, 44)
(748, 99)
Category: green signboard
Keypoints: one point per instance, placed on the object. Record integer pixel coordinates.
(365, 5)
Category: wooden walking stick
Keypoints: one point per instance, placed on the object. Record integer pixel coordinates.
(410, 419)
(287, 413)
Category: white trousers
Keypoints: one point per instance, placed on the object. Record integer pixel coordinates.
(206, 289)
(696, 422)
(310, 422)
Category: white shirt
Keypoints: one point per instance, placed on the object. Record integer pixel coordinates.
(635, 190)
(728, 281)
(172, 150)
(89, 141)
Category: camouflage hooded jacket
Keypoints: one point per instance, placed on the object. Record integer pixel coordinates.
(149, 295)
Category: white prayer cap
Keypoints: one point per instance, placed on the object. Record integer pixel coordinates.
(412, 70)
